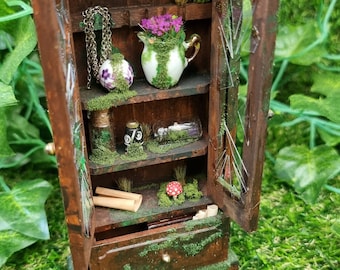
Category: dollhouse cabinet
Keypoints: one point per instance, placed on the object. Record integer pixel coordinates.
(154, 236)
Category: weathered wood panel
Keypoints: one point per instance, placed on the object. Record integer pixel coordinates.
(244, 210)
(57, 58)
(186, 245)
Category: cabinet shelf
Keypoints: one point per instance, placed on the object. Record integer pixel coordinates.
(149, 212)
(195, 149)
(188, 86)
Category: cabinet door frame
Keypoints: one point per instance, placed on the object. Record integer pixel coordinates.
(62, 92)
(243, 209)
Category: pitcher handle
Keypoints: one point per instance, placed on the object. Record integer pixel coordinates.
(194, 41)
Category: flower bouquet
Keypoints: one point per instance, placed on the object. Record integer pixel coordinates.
(163, 57)
(163, 28)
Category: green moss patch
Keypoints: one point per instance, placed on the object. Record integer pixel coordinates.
(159, 148)
(190, 192)
(109, 100)
(103, 156)
(134, 152)
(188, 243)
(162, 80)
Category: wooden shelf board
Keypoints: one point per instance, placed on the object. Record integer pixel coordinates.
(193, 85)
(132, 15)
(195, 149)
(149, 211)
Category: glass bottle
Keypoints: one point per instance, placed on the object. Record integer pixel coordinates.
(101, 130)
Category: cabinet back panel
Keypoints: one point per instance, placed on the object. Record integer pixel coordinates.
(125, 39)
(77, 6)
(159, 173)
(161, 112)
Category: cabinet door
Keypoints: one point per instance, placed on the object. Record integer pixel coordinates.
(235, 171)
(56, 51)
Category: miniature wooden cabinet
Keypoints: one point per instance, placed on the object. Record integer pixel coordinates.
(157, 237)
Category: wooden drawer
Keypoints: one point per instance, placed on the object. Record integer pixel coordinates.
(185, 245)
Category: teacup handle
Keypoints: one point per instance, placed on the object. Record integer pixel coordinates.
(194, 41)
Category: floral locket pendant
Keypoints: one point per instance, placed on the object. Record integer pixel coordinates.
(116, 73)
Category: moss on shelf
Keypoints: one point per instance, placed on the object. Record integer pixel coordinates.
(134, 152)
(190, 192)
(103, 156)
(109, 100)
(159, 148)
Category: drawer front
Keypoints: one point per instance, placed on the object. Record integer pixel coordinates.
(185, 245)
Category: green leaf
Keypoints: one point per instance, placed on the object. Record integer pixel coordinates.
(5, 150)
(7, 97)
(22, 209)
(43, 160)
(11, 241)
(19, 127)
(5, 10)
(307, 170)
(22, 216)
(25, 41)
(329, 139)
(327, 105)
(292, 41)
(14, 161)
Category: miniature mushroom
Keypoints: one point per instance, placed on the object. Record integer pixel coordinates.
(174, 188)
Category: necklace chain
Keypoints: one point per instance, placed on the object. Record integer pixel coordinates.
(90, 40)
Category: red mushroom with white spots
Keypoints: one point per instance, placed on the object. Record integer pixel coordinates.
(173, 189)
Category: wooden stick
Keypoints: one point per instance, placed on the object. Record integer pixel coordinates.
(118, 193)
(117, 203)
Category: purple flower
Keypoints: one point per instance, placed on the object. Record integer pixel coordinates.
(105, 74)
(177, 23)
(162, 25)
